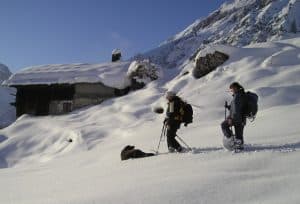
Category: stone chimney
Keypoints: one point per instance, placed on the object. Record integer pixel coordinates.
(116, 55)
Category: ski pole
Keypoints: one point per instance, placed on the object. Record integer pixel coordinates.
(226, 105)
(225, 108)
(161, 136)
(181, 140)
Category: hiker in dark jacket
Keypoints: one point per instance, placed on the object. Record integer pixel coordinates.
(236, 117)
(173, 120)
(129, 152)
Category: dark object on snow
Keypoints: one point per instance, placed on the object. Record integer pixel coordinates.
(70, 140)
(158, 110)
(129, 152)
(210, 62)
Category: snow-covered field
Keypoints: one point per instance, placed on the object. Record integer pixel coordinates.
(39, 165)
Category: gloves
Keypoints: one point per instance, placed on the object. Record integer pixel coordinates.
(229, 121)
(166, 121)
(227, 106)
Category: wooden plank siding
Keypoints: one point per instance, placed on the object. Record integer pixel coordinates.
(61, 98)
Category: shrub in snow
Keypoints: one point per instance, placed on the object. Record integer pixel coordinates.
(142, 72)
(208, 63)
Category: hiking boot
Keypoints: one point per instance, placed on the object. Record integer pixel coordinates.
(184, 150)
(239, 144)
(171, 149)
(179, 149)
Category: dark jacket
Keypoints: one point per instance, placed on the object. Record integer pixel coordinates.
(237, 107)
(173, 115)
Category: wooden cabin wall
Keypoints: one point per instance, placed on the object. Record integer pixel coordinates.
(35, 99)
(89, 94)
(61, 98)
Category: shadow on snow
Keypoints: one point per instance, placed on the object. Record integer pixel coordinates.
(254, 148)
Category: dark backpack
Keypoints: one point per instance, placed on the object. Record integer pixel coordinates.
(251, 107)
(186, 111)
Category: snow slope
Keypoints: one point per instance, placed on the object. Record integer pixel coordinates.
(40, 165)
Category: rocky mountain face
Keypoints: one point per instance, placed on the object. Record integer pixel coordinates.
(237, 23)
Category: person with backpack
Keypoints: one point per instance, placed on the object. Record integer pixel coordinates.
(237, 116)
(173, 120)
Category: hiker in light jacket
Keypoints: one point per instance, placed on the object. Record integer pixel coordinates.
(172, 121)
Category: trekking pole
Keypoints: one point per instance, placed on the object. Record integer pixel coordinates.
(181, 140)
(161, 136)
(226, 104)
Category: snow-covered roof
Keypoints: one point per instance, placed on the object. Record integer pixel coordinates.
(110, 74)
(116, 51)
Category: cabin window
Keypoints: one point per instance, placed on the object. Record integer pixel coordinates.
(67, 107)
(60, 107)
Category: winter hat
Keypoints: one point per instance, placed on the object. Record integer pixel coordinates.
(170, 94)
(236, 85)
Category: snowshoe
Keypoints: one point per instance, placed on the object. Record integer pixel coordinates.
(228, 143)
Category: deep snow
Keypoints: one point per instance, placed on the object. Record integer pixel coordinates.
(39, 165)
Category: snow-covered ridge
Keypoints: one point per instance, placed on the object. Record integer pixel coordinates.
(238, 23)
(110, 74)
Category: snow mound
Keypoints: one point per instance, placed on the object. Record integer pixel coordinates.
(39, 143)
(143, 71)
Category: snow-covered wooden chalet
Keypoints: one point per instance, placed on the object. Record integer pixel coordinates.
(61, 88)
